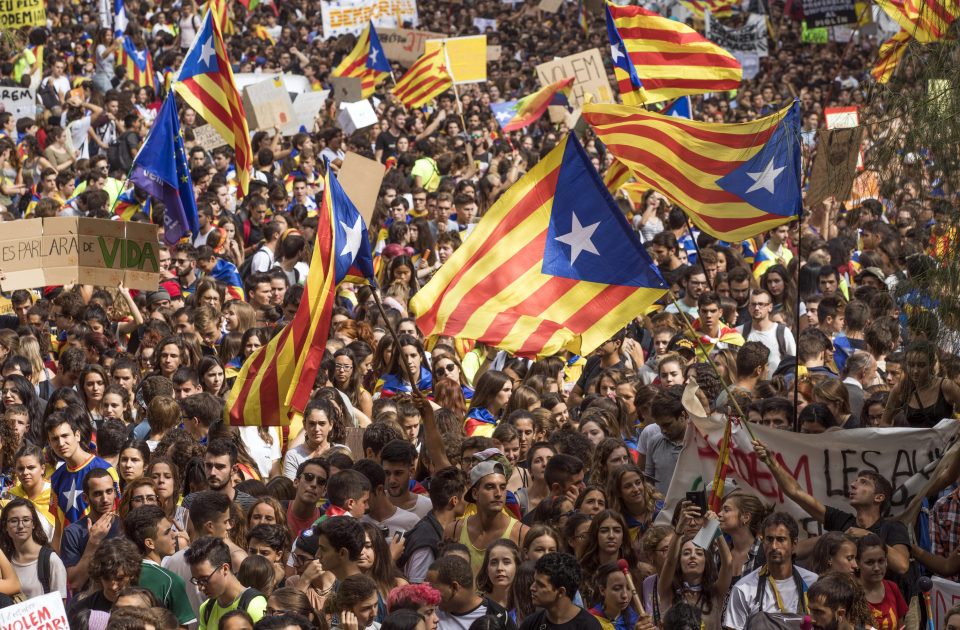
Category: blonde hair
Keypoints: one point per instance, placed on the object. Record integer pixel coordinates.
(30, 350)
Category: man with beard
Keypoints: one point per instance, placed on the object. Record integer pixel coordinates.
(837, 602)
(782, 583)
(219, 462)
(399, 458)
(82, 538)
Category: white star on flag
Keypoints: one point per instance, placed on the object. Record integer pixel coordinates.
(373, 56)
(503, 116)
(354, 238)
(765, 179)
(206, 51)
(579, 239)
(616, 53)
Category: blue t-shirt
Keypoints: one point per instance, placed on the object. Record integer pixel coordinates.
(75, 538)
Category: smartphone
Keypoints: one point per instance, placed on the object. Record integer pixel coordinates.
(699, 499)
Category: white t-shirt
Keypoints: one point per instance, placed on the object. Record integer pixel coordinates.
(400, 522)
(423, 506)
(743, 597)
(261, 452)
(30, 581)
(262, 260)
(177, 563)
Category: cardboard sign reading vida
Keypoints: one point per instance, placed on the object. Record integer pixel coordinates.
(590, 77)
(267, 104)
(404, 45)
(17, 13)
(69, 250)
(37, 613)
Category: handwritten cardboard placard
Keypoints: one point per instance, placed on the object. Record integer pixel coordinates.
(404, 45)
(267, 104)
(21, 102)
(70, 250)
(588, 72)
(494, 52)
(551, 6)
(360, 178)
(17, 13)
(468, 57)
(352, 16)
(208, 137)
(45, 611)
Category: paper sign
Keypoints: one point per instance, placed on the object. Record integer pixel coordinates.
(356, 116)
(590, 77)
(347, 89)
(69, 250)
(404, 45)
(494, 52)
(267, 104)
(483, 24)
(305, 110)
(835, 164)
(360, 178)
(21, 102)
(843, 118)
(468, 57)
(550, 5)
(208, 137)
(352, 16)
(944, 596)
(17, 13)
(43, 612)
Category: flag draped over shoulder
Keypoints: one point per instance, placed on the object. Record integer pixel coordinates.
(161, 170)
(276, 380)
(426, 79)
(366, 62)
(138, 64)
(227, 273)
(513, 115)
(531, 279)
(733, 180)
(206, 84)
(656, 58)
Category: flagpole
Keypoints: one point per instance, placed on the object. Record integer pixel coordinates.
(456, 92)
(696, 246)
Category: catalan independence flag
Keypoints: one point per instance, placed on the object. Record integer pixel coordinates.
(138, 64)
(531, 279)
(616, 176)
(889, 56)
(127, 205)
(656, 58)
(206, 84)
(366, 61)
(426, 79)
(717, 8)
(226, 272)
(513, 115)
(926, 21)
(277, 379)
(733, 180)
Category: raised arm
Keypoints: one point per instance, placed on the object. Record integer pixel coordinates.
(789, 485)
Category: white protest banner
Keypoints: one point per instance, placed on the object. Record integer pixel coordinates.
(21, 102)
(352, 16)
(823, 464)
(590, 77)
(483, 24)
(944, 596)
(404, 45)
(37, 613)
(751, 37)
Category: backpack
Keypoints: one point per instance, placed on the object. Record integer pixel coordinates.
(777, 621)
(43, 568)
(246, 598)
(48, 95)
(781, 336)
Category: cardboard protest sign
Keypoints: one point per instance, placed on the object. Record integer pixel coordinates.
(814, 35)
(494, 52)
(347, 89)
(356, 116)
(208, 137)
(17, 13)
(360, 178)
(824, 464)
(305, 110)
(820, 13)
(467, 55)
(551, 6)
(404, 45)
(352, 16)
(590, 77)
(944, 596)
(21, 102)
(70, 250)
(37, 613)
(835, 164)
(267, 104)
(843, 118)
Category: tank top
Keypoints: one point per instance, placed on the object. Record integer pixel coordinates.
(476, 554)
(928, 417)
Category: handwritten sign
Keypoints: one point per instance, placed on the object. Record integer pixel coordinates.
(208, 137)
(588, 72)
(352, 16)
(404, 45)
(944, 596)
(21, 102)
(267, 103)
(69, 250)
(37, 613)
(17, 13)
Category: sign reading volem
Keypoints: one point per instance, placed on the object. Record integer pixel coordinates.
(68, 250)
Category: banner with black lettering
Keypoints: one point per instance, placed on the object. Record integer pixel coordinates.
(749, 38)
(818, 13)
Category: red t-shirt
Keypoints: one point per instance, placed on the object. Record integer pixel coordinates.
(297, 525)
(889, 613)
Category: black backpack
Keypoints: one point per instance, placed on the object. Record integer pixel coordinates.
(43, 568)
(761, 620)
(246, 598)
(781, 336)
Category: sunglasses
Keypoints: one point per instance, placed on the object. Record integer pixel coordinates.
(310, 477)
(449, 368)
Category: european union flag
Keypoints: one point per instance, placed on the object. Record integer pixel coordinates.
(354, 262)
(160, 169)
(376, 58)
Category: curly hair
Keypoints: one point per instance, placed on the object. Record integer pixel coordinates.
(116, 556)
(598, 468)
(8, 445)
(412, 597)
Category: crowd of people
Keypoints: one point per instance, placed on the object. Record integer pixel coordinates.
(495, 492)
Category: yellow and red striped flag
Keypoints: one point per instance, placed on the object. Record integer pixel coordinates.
(276, 381)
(206, 83)
(221, 13)
(616, 176)
(427, 78)
(723, 467)
(138, 64)
(733, 180)
(890, 54)
(366, 61)
(717, 8)
(656, 58)
(925, 20)
(531, 280)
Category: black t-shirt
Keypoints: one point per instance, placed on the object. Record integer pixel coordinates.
(539, 620)
(386, 142)
(890, 531)
(592, 369)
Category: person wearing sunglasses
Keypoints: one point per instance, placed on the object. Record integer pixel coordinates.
(311, 485)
